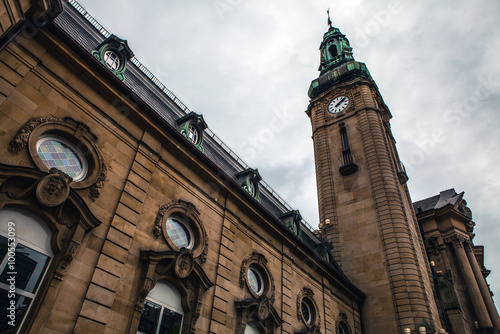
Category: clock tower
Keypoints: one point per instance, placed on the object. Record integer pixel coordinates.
(364, 205)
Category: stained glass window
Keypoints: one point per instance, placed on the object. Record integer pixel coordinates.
(179, 233)
(255, 280)
(57, 152)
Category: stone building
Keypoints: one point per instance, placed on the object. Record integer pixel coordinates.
(127, 214)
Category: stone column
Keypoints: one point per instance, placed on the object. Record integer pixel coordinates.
(485, 292)
(483, 318)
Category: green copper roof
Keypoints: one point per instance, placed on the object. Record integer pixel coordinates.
(337, 63)
(339, 74)
(335, 50)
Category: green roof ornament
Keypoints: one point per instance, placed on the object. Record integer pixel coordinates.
(291, 220)
(114, 53)
(337, 63)
(335, 49)
(192, 126)
(249, 180)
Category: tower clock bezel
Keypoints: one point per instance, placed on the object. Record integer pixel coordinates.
(339, 104)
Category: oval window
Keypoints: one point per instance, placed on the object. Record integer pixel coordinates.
(56, 152)
(193, 134)
(306, 311)
(255, 280)
(179, 233)
(111, 60)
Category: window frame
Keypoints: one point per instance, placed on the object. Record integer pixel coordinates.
(49, 253)
(164, 305)
(72, 147)
(181, 221)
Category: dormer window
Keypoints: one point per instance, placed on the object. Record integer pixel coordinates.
(193, 135)
(111, 60)
(291, 220)
(192, 126)
(114, 53)
(249, 180)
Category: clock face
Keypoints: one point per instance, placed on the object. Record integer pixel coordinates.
(338, 104)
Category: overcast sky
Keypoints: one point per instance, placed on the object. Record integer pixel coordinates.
(246, 65)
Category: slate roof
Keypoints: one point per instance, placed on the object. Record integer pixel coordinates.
(445, 197)
(83, 29)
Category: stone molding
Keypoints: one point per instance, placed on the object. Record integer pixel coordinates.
(260, 261)
(191, 214)
(178, 268)
(73, 131)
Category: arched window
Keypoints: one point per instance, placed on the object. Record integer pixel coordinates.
(162, 311)
(251, 329)
(343, 328)
(25, 255)
(333, 51)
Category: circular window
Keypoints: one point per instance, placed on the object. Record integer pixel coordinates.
(251, 188)
(307, 311)
(179, 232)
(111, 60)
(255, 280)
(193, 134)
(56, 152)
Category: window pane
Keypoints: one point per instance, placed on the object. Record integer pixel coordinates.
(29, 267)
(254, 280)
(20, 307)
(306, 312)
(111, 59)
(149, 318)
(54, 153)
(171, 322)
(178, 233)
(251, 329)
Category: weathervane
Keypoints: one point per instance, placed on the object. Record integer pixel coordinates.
(329, 21)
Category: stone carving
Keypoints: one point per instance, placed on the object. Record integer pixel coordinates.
(309, 294)
(196, 316)
(95, 189)
(70, 128)
(184, 263)
(53, 189)
(170, 266)
(143, 294)
(264, 309)
(261, 261)
(70, 254)
(200, 249)
(456, 241)
(19, 142)
(260, 312)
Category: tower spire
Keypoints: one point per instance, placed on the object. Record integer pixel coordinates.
(329, 21)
